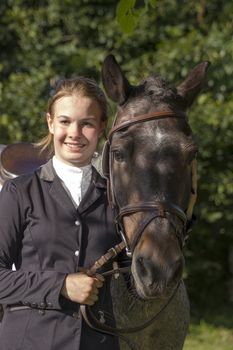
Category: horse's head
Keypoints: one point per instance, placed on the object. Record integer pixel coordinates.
(152, 172)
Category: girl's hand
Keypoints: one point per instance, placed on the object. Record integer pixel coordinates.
(81, 288)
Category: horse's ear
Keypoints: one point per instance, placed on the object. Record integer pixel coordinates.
(192, 85)
(115, 83)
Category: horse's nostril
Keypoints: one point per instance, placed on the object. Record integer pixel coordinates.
(152, 274)
(147, 270)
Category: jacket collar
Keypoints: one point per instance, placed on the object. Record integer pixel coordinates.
(47, 173)
(98, 184)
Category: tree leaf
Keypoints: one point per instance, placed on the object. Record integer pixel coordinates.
(126, 18)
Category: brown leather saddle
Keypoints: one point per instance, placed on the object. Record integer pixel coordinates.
(19, 158)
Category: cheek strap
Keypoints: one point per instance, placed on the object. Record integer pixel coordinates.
(193, 194)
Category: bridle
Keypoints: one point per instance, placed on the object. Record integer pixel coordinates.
(152, 209)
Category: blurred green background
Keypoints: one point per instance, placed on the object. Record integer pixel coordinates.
(44, 41)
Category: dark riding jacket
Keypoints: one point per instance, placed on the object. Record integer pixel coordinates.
(47, 237)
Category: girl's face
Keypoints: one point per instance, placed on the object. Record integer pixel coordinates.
(76, 127)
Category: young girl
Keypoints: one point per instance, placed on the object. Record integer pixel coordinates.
(55, 223)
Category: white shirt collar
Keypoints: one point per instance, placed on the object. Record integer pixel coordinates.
(75, 179)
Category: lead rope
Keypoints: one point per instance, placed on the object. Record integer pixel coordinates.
(104, 259)
(111, 253)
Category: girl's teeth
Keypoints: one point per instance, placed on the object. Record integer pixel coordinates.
(74, 145)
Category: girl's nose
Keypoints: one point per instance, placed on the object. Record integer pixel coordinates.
(75, 130)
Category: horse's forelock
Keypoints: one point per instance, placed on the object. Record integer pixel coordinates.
(153, 93)
(155, 85)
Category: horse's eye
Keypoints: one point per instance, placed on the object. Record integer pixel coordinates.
(118, 155)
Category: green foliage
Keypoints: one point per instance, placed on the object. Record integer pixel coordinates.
(207, 337)
(129, 16)
(43, 41)
(126, 15)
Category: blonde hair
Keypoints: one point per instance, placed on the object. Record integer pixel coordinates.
(76, 86)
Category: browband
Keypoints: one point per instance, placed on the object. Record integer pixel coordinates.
(144, 118)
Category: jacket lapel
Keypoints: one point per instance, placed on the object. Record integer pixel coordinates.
(95, 191)
(56, 189)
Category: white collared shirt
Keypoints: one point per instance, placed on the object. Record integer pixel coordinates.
(75, 180)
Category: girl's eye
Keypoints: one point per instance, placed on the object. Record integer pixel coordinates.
(88, 124)
(64, 122)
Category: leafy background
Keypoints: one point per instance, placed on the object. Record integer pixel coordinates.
(43, 41)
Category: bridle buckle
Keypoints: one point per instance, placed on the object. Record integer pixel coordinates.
(127, 248)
